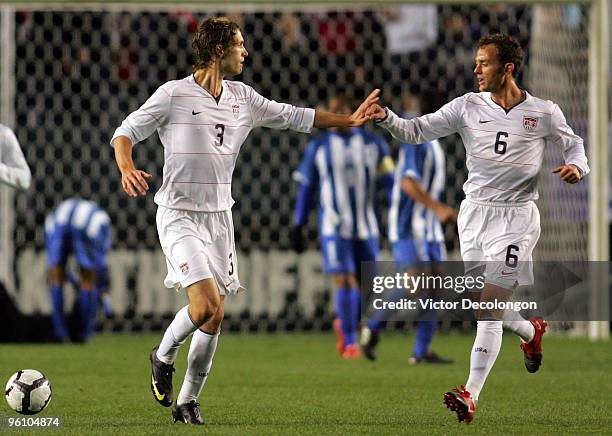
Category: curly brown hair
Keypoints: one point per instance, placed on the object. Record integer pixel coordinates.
(212, 33)
(508, 49)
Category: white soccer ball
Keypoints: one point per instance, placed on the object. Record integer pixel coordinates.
(28, 391)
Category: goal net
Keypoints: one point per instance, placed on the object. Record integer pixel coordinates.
(78, 70)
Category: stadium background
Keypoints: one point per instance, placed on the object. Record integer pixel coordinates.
(78, 73)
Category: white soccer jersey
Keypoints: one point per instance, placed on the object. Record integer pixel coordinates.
(504, 148)
(202, 137)
(14, 170)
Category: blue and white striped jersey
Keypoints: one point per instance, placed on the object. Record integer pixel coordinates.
(407, 218)
(82, 216)
(343, 167)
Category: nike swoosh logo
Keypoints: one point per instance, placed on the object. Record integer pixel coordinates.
(506, 273)
(159, 396)
(484, 121)
(193, 112)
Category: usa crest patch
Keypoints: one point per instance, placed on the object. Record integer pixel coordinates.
(530, 123)
(184, 267)
(236, 110)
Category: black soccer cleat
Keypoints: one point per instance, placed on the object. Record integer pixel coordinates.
(368, 342)
(161, 379)
(188, 413)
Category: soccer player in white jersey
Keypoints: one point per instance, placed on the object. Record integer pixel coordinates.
(504, 130)
(343, 167)
(202, 121)
(14, 170)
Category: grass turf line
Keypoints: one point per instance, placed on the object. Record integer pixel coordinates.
(295, 384)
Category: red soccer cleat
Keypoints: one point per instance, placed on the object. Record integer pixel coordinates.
(460, 401)
(340, 347)
(533, 349)
(351, 352)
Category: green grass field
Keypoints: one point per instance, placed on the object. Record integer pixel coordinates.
(295, 384)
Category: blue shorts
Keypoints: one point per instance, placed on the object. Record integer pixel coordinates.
(342, 255)
(409, 253)
(63, 240)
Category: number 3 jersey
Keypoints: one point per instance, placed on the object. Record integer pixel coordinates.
(504, 148)
(202, 136)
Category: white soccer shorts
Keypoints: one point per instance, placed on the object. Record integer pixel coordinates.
(502, 237)
(198, 246)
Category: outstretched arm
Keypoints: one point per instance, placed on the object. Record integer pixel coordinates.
(421, 129)
(324, 120)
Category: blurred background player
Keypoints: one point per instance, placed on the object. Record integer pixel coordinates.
(342, 166)
(81, 228)
(14, 170)
(416, 234)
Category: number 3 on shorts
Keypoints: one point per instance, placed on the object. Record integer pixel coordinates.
(231, 270)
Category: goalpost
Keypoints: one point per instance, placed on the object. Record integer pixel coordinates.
(568, 62)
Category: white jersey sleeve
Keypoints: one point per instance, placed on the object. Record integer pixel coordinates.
(152, 115)
(572, 146)
(14, 170)
(428, 127)
(269, 113)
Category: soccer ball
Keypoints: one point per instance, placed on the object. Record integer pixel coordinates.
(28, 391)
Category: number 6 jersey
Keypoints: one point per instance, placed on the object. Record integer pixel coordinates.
(202, 136)
(504, 148)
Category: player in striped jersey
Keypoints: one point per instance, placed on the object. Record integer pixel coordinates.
(202, 121)
(81, 228)
(415, 230)
(504, 130)
(342, 167)
(14, 170)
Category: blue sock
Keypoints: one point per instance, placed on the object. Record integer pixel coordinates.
(343, 312)
(93, 312)
(424, 334)
(377, 320)
(355, 304)
(57, 315)
(87, 299)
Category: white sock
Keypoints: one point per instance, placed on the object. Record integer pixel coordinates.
(199, 362)
(486, 348)
(176, 333)
(514, 322)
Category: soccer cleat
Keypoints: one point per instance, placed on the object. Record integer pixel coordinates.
(340, 347)
(368, 341)
(460, 401)
(188, 413)
(161, 379)
(429, 357)
(351, 352)
(533, 349)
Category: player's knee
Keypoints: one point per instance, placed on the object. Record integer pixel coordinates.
(87, 280)
(56, 276)
(204, 310)
(341, 280)
(213, 326)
